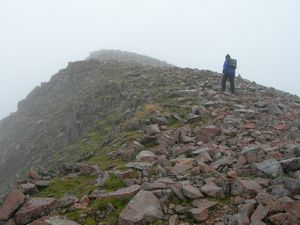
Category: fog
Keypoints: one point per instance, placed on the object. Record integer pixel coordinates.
(40, 37)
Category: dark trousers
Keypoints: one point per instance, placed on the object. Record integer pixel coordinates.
(231, 80)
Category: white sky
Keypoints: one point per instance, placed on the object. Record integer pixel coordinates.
(39, 37)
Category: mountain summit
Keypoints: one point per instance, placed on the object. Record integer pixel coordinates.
(121, 138)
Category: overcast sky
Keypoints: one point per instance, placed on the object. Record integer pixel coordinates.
(39, 37)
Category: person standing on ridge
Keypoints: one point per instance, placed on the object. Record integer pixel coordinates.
(229, 68)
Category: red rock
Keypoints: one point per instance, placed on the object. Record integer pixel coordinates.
(210, 131)
(12, 202)
(212, 190)
(32, 174)
(86, 169)
(259, 214)
(292, 208)
(177, 189)
(204, 168)
(191, 191)
(249, 126)
(269, 202)
(245, 188)
(262, 181)
(283, 219)
(232, 174)
(280, 127)
(144, 208)
(199, 214)
(35, 208)
(182, 166)
(245, 211)
(83, 203)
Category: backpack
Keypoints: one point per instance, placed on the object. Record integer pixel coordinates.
(232, 63)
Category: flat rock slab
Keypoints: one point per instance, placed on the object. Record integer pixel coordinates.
(56, 220)
(12, 202)
(35, 208)
(144, 208)
(121, 193)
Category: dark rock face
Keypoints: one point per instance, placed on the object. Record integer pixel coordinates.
(59, 112)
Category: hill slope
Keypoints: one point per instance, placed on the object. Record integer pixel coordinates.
(199, 142)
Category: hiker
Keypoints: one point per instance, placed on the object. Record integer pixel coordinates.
(229, 73)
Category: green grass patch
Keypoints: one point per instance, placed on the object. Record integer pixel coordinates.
(75, 215)
(60, 187)
(101, 205)
(113, 183)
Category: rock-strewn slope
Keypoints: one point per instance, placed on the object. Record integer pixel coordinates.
(156, 145)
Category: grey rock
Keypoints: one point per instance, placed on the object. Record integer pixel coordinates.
(269, 168)
(291, 184)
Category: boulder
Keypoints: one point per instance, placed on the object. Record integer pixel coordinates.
(260, 213)
(152, 129)
(293, 208)
(191, 191)
(245, 188)
(32, 174)
(269, 168)
(291, 184)
(12, 202)
(182, 166)
(144, 208)
(212, 190)
(251, 154)
(86, 169)
(283, 219)
(146, 156)
(35, 208)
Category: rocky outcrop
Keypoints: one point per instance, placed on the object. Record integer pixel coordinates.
(131, 143)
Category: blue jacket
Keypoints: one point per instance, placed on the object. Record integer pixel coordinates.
(227, 70)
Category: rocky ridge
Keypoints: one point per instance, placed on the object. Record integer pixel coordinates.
(176, 151)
